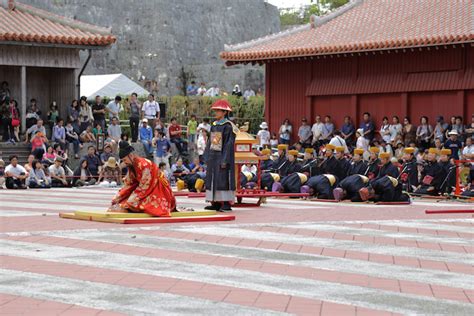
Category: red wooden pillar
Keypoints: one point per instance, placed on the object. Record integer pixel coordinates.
(354, 111)
(462, 103)
(404, 107)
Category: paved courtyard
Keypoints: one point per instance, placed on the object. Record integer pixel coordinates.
(288, 256)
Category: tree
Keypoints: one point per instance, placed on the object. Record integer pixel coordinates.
(289, 17)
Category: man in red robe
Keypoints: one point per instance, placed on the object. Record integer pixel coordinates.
(145, 190)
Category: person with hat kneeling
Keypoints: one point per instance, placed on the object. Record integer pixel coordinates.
(329, 165)
(321, 186)
(146, 189)
(220, 157)
(292, 183)
(373, 165)
(350, 187)
(386, 167)
(344, 164)
(291, 166)
(432, 175)
(384, 189)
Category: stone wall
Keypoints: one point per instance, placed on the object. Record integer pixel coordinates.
(160, 40)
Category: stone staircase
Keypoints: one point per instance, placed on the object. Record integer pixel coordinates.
(20, 149)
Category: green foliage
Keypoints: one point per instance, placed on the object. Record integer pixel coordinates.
(317, 7)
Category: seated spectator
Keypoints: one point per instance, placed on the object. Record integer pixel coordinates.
(33, 114)
(470, 128)
(454, 144)
(104, 156)
(274, 141)
(48, 156)
(57, 173)
(98, 129)
(468, 150)
(114, 131)
(34, 129)
(82, 175)
(198, 167)
(2, 173)
(124, 137)
(178, 169)
(59, 134)
(163, 169)
(160, 126)
(38, 145)
(191, 89)
(73, 138)
(236, 91)
(53, 115)
(438, 144)
(146, 137)
(15, 174)
(399, 151)
(29, 164)
(175, 136)
(59, 152)
(37, 179)
(110, 176)
(93, 161)
(162, 149)
(87, 136)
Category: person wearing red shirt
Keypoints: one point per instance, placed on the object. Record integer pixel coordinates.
(175, 136)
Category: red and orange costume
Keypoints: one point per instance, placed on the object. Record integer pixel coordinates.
(146, 189)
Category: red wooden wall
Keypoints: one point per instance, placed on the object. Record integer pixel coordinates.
(412, 83)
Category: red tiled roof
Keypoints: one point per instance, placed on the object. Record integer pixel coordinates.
(24, 23)
(368, 26)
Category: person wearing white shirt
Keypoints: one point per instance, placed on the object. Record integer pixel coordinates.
(338, 141)
(151, 110)
(248, 93)
(202, 89)
(212, 91)
(395, 129)
(205, 126)
(263, 135)
(15, 174)
(468, 150)
(114, 108)
(362, 142)
(317, 129)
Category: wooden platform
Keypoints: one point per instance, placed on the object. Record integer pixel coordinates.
(142, 218)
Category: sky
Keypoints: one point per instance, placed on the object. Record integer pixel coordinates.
(288, 3)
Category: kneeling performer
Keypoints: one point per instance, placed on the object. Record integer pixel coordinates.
(145, 190)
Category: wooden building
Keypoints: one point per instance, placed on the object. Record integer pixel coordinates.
(39, 54)
(397, 57)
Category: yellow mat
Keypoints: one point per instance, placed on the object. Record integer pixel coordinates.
(103, 214)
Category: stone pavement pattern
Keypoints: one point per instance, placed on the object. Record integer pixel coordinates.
(286, 257)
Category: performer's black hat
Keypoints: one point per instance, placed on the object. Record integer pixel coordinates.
(125, 149)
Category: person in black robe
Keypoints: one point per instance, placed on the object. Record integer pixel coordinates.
(357, 165)
(280, 162)
(373, 165)
(322, 186)
(268, 179)
(350, 187)
(292, 166)
(329, 165)
(193, 182)
(432, 175)
(384, 189)
(386, 167)
(220, 158)
(309, 164)
(343, 164)
(265, 162)
(449, 181)
(409, 173)
(293, 183)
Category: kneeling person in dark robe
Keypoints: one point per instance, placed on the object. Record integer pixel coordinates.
(349, 188)
(322, 186)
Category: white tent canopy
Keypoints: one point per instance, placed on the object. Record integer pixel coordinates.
(109, 86)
